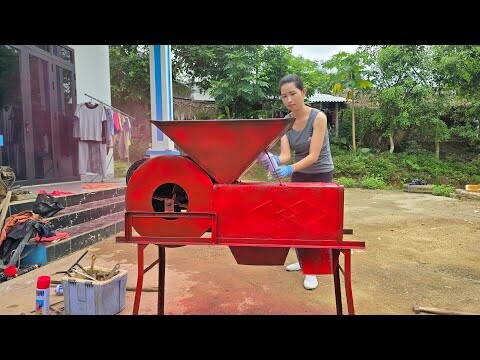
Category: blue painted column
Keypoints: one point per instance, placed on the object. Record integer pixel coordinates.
(161, 98)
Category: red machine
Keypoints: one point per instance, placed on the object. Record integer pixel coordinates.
(196, 199)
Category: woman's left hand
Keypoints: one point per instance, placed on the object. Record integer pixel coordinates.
(284, 171)
(266, 162)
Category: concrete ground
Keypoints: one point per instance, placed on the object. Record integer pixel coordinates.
(199, 280)
(420, 249)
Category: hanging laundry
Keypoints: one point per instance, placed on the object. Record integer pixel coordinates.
(116, 123)
(91, 117)
(116, 131)
(92, 154)
(123, 145)
(110, 126)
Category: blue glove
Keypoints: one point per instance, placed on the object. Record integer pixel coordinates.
(284, 171)
(266, 162)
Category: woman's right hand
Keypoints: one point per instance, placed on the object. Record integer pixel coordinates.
(284, 171)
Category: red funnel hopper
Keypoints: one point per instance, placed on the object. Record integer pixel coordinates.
(224, 148)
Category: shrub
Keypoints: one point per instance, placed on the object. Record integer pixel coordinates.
(350, 164)
(442, 190)
(373, 182)
(346, 182)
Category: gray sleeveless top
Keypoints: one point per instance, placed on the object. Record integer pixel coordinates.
(300, 143)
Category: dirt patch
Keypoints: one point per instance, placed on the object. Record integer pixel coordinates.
(420, 248)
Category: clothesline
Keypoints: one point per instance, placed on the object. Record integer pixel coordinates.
(127, 147)
(124, 113)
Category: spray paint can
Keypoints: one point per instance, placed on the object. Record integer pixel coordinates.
(42, 296)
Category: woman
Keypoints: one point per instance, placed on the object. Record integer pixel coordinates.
(309, 140)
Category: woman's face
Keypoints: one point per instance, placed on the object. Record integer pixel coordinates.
(292, 96)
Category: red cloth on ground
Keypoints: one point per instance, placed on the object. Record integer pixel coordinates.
(58, 236)
(99, 185)
(56, 192)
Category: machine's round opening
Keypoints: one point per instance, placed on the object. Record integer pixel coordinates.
(170, 197)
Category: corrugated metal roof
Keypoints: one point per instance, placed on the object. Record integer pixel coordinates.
(326, 98)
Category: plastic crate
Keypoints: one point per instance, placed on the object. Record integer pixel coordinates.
(88, 297)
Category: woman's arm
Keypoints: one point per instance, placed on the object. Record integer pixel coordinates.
(319, 129)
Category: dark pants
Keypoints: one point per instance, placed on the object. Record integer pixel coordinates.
(319, 177)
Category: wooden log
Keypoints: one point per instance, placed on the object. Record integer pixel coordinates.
(433, 310)
(4, 206)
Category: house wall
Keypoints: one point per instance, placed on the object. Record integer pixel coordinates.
(92, 68)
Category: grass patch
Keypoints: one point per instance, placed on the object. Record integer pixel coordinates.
(256, 173)
(120, 168)
(442, 190)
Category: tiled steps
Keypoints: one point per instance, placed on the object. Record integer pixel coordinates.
(87, 218)
(81, 236)
(78, 214)
(71, 200)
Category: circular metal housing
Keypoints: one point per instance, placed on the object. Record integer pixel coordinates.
(151, 177)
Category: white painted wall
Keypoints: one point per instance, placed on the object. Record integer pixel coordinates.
(92, 68)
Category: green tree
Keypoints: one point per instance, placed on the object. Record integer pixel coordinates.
(130, 89)
(230, 73)
(457, 71)
(129, 74)
(408, 94)
(243, 78)
(276, 63)
(350, 77)
(392, 65)
(457, 68)
(241, 85)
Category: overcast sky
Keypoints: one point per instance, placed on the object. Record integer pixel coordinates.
(321, 52)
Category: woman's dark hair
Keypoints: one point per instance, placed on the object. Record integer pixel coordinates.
(291, 78)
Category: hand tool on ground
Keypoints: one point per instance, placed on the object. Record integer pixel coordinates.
(83, 269)
(77, 262)
(112, 273)
(85, 274)
(432, 310)
(70, 269)
(91, 266)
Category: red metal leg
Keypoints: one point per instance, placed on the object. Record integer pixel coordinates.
(348, 280)
(161, 281)
(140, 272)
(336, 281)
